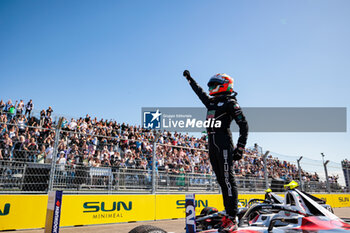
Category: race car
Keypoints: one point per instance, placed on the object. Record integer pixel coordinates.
(210, 218)
(297, 212)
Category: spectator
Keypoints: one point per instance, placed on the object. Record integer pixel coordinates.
(64, 123)
(33, 121)
(29, 108)
(13, 132)
(49, 112)
(11, 111)
(2, 106)
(61, 161)
(7, 106)
(32, 150)
(71, 160)
(49, 153)
(21, 124)
(19, 109)
(72, 125)
(5, 147)
(96, 162)
(345, 163)
(42, 117)
(61, 167)
(20, 150)
(42, 155)
(106, 162)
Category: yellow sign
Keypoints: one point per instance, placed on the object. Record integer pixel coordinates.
(341, 200)
(22, 211)
(170, 206)
(335, 200)
(243, 199)
(100, 209)
(173, 206)
(29, 211)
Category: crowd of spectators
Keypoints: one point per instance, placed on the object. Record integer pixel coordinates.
(345, 163)
(90, 142)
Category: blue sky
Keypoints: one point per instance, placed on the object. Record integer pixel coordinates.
(110, 58)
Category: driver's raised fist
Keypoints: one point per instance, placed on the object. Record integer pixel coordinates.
(187, 74)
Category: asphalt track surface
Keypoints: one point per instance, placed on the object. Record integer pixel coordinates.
(176, 226)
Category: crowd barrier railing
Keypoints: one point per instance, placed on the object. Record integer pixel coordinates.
(38, 169)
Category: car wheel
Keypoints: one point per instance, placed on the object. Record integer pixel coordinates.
(147, 229)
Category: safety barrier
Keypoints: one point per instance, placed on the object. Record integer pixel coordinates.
(28, 177)
(80, 162)
(29, 211)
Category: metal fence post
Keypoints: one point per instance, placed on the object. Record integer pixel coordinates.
(167, 181)
(110, 182)
(299, 171)
(348, 173)
(326, 173)
(154, 168)
(54, 154)
(266, 177)
(187, 184)
(118, 180)
(157, 134)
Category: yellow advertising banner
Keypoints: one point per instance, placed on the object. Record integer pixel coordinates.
(340, 200)
(335, 200)
(170, 206)
(22, 211)
(29, 211)
(243, 199)
(100, 209)
(173, 206)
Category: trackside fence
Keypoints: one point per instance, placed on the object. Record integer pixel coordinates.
(38, 160)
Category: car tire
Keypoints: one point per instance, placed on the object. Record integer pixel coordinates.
(147, 229)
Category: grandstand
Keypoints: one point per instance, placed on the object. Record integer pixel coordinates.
(90, 155)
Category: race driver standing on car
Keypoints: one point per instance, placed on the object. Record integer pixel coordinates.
(223, 106)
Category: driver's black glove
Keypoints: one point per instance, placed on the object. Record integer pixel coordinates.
(186, 74)
(238, 153)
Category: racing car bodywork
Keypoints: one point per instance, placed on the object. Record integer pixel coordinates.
(297, 212)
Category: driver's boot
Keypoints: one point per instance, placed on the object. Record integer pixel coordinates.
(228, 224)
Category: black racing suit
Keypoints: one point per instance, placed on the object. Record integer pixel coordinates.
(225, 109)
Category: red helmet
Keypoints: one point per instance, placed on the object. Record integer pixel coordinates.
(220, 84)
